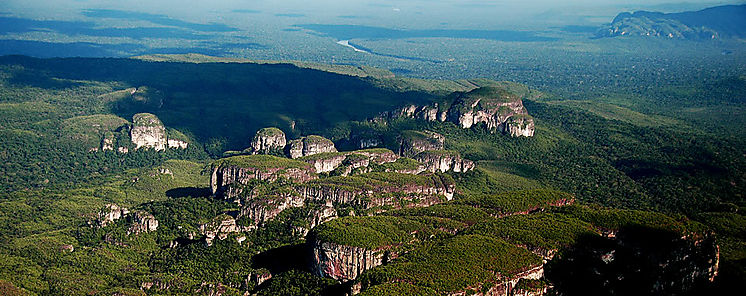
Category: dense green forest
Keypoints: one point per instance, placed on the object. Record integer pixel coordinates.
(620, 153)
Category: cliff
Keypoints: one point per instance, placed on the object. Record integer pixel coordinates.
(413, 142)
(346, 162)
(269, 140)
(141, 221)
(443, 161)
(228, 174)
(344, 263)
(309, 145)
(219, 228)
(148, 132)
(491, 106)
(373, 191)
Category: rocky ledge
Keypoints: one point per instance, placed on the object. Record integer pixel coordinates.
(443, 161)
(229, 174)
(141, 221)
(309, 145)
(491, 106)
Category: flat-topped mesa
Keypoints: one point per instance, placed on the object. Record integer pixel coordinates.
(148, 132)
(491, 106)
(269, 140)
(373, 190)
(309, 145)
(346, 162)
(443, 161)
(413, 142)
(228, 174)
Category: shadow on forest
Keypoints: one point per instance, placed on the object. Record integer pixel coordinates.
(639, 261)
(188, 192)
(227, 103)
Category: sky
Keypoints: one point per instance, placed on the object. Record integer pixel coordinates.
(389, 13)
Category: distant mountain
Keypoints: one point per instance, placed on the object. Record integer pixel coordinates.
(720, 22)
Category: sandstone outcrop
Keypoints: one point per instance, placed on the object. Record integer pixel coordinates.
(309, 145)
(109, 214)
(374, 191)
(443, 161)
(413, 142)
(220, 227)
(263, 209)
(107, 143)
(491, 106)
(228, 174)
(269, 140)
(141, 221)
(348, 161)
(148, 132)
(177, 144)
(344, 263)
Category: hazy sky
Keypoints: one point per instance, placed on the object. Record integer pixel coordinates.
(393, 12)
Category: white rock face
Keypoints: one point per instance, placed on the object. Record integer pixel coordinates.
(111, 213)
(177, 144)
(310, 145)
(267, 140)
(148, 132)
(108, 142)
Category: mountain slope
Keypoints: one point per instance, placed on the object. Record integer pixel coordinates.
(719, 22)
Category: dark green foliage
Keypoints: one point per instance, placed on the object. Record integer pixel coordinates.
(454, 264)
(296, 282)
(371, 232)
(516, 201)
(547, 231)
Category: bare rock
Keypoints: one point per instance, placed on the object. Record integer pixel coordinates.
(443, 161)
(413, 142)
(268, 141)
(148, 132)
(310, 145)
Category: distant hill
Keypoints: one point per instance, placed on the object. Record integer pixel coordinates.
(720, 22)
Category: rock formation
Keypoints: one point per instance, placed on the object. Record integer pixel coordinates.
(269, 140)
(108, 141)
(331, 161)
(142, 222)
(491, 106)
(262, 209)
(344, 263)
(109, 214)
(310, 145)
(228, 174)
(443, 161)
(220, 227)
(177, 144)
(720, 22)
(413, 142)
(148, 131)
